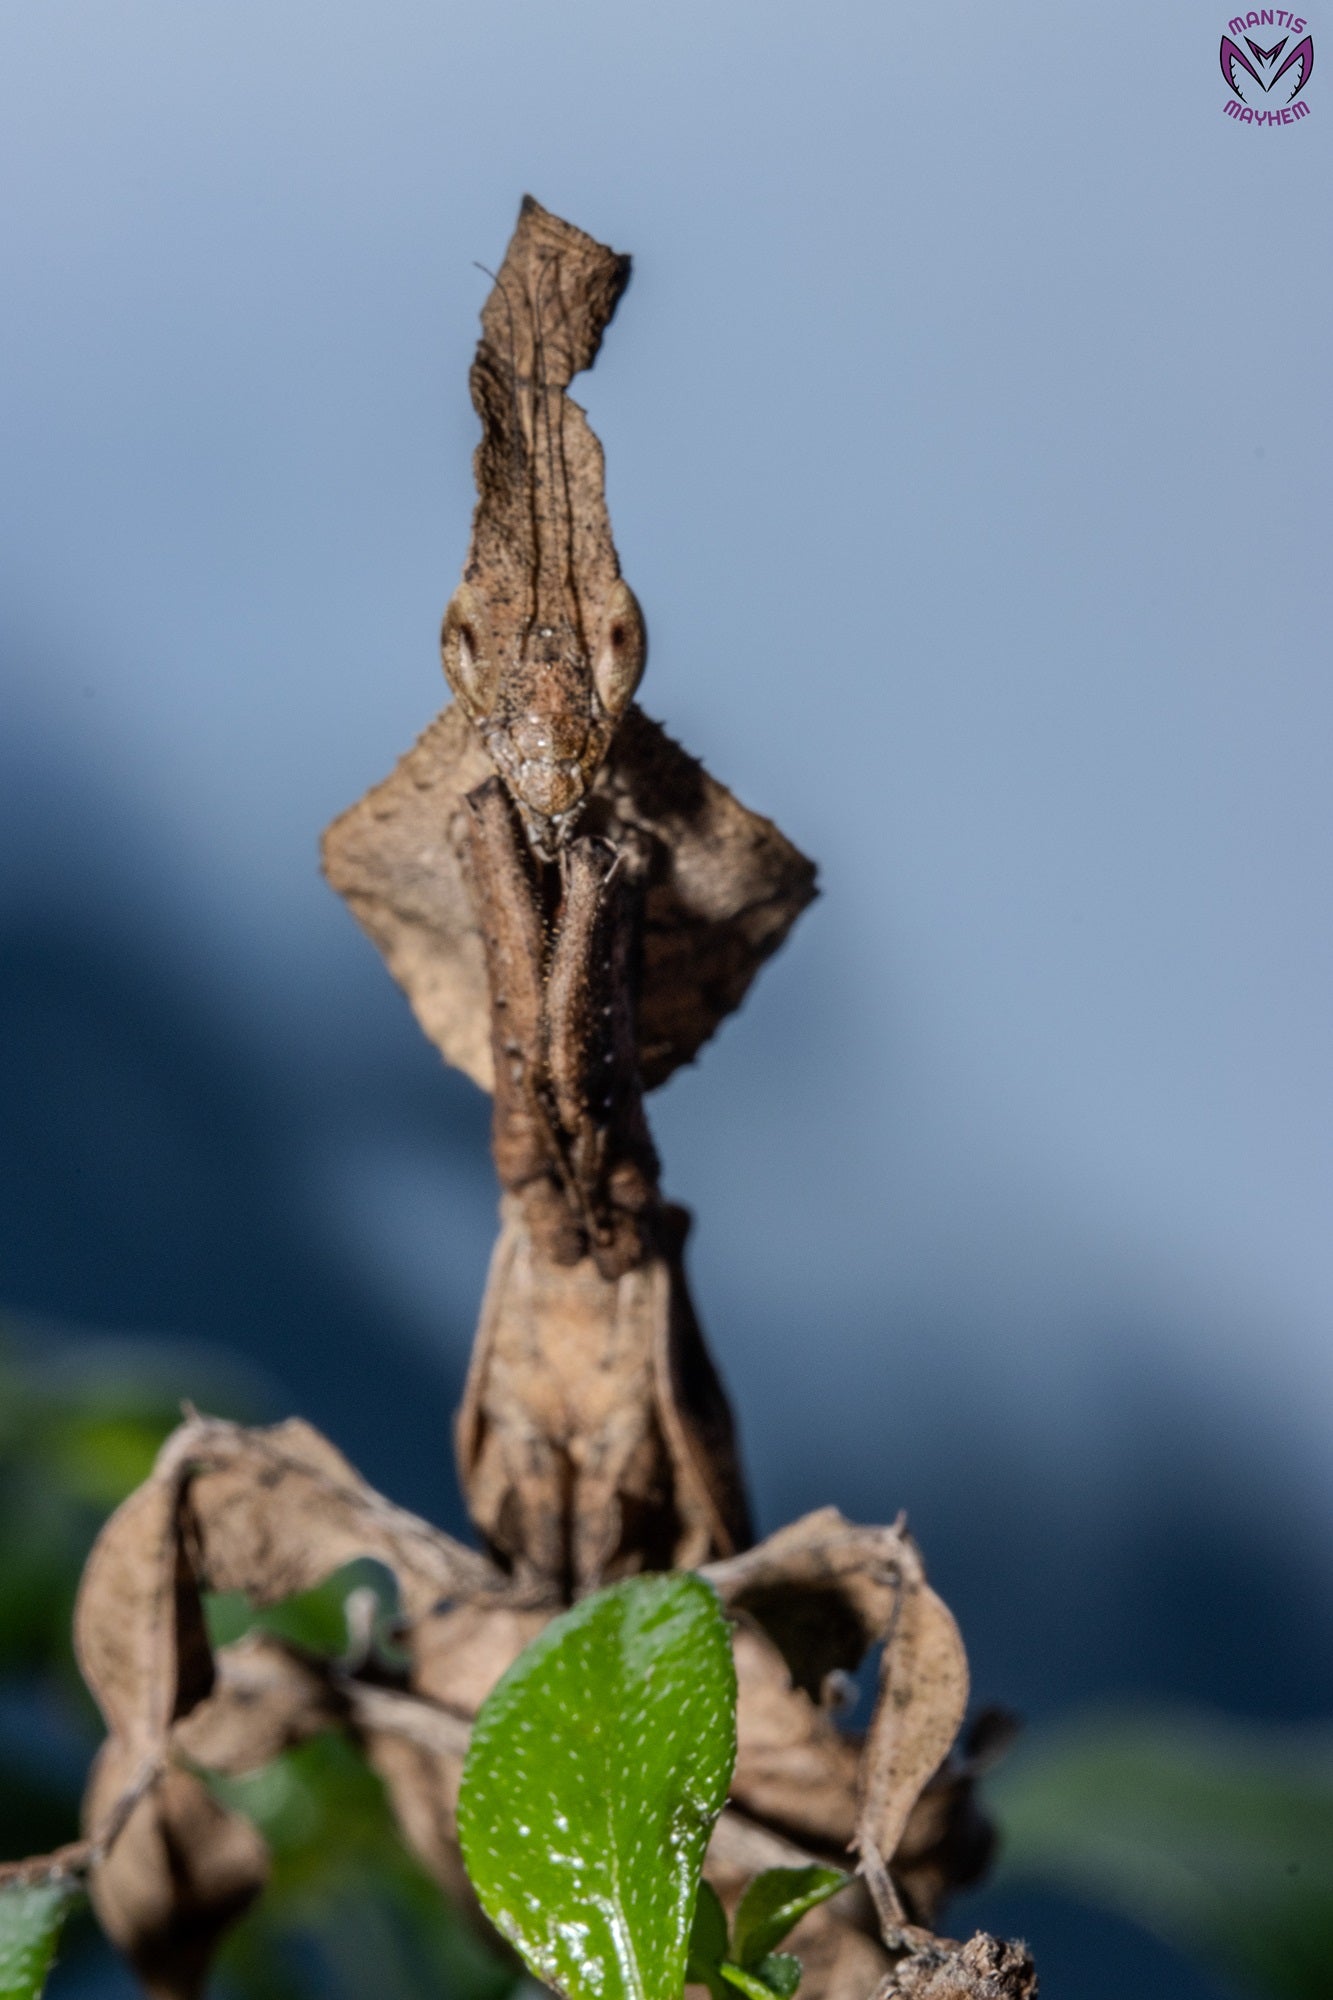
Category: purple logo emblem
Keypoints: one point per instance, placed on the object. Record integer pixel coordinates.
(1267, 81)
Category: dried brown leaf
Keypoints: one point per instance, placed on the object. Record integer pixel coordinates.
(824, 1590)
(269, 1513)
(923, 1688)
(948, 1842)
(180, 1871)
(138, 1623)
(266, 1512)
(795, 1770)
(266, 1698)
(275, 1511)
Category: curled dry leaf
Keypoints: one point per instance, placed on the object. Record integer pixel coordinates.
(923, 1687)
(799, 1774)
(825, 1590)
(180, 1872)
(267, 1697)
(795, 1770)
(948, 1842)
(171, 1869)
(138, 1622)
(272, 1512)
(269, 1513)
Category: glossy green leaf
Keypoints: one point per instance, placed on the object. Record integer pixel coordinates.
(746, 1982)
(708, 1940)
(1217, 1837)
(597, 1767)
(775, 1901)
(30, 1920)
(780, 1972)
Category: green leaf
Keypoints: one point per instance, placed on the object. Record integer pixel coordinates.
(748, 1983)
(30, 1920)
(708, 1941)
(780, 1972)
(315, 1619)
(348, 1910)
(775, 1901)
(597, 1767)
(1217, 1837)
(101, 1455)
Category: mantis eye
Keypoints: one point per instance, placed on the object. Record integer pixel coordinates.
(469, 666)
(622, 651)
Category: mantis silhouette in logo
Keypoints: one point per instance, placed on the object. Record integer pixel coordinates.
(1301, 58)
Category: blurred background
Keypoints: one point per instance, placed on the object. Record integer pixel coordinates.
(967, 435)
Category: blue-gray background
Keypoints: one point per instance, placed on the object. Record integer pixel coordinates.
(967, 421)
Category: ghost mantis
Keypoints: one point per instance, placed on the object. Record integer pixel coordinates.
(572, 906)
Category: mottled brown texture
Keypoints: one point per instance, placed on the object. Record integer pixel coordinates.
(795, 1770)
(588, 1273)
(922, 1699)
(180, 1873)
(572, 906)
(269, 1513)
(524, 1140)
(542, 324)
(267, 1696)
(985, 1968)
(542, 641)
(825, 1590)
(722, 888)
(568, 1131)
(272, 1512)
(592, 1062)
(594, 1438)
